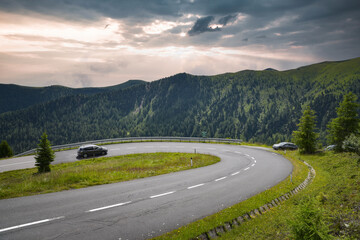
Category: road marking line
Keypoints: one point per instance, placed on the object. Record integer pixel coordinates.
(219, 179)
(110, 206)
(253, 164)
(17, 163)
(247, 155)
(238, 152)
(30, 224)
(253, 158)
(162, 194)
(235, 173)
(254, 161)
(195, 186)
(246, 169)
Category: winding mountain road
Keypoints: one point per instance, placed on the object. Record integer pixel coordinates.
(142, 208)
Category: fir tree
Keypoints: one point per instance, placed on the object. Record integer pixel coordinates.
(346, 123)
(305, 137)
(44, 155)
(5, 150)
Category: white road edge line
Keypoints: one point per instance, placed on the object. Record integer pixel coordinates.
(195, 186)
(238, 152)
(30, 224)
(16, 163)
(219, 179)
(235, 173)
(253, 164)
(162, 194)
(247, 155)
(246, 169)
(253, 158)
(110, 206)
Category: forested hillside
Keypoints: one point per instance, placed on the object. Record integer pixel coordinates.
(14, 97)
(262, 106)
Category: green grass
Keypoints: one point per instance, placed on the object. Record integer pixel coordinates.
(196, 228)
(97, 171)
(336, 189)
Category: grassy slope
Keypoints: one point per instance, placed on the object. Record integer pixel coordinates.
(336, 186)
(97, 171)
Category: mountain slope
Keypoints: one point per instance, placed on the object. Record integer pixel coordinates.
(262, 106)
(14, 97)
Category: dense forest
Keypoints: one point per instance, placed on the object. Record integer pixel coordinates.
(258, 106)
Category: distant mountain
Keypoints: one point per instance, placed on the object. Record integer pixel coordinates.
(259, 106)
(14, 97)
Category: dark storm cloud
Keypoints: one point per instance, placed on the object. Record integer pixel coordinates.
(202, 25)
(323, 26)
(225, 20)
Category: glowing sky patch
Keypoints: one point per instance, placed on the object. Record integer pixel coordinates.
(101, 43)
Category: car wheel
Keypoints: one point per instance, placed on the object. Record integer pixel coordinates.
(103, 153)
(85, 155)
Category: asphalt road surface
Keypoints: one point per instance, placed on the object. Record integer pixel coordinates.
(143, 208)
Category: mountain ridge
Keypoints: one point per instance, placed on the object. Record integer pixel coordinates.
(261, 106)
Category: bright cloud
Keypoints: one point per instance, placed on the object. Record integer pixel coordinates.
(101, 43)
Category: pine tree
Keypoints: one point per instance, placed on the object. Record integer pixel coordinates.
(305, 137)
(346, 123)
(5, 150)
(44, 155)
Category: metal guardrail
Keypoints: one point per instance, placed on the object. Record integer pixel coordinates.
(136, 139)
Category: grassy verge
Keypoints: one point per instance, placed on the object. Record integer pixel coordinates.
(335, 188)
(196, 228)
(97, 171)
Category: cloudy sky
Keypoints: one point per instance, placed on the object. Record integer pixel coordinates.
(82, 43)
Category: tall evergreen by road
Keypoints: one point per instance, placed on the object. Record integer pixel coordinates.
(44, 155)
(306, 137)
(346, 123)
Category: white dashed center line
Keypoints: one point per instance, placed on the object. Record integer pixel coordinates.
(246, 169)
(235, 173)
(30, 224)
(195, 186)
(253, 165)
(110, 206)
(219, 179)
(163, 194)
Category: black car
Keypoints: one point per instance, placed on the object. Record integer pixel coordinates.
(91, 150)
(284, 146)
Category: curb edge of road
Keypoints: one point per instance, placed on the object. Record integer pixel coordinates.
(236, 222)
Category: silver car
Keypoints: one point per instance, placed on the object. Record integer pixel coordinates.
(285, 146)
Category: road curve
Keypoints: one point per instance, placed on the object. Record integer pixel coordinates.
(144, 208)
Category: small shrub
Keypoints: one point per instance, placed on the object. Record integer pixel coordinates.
(308, 223)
